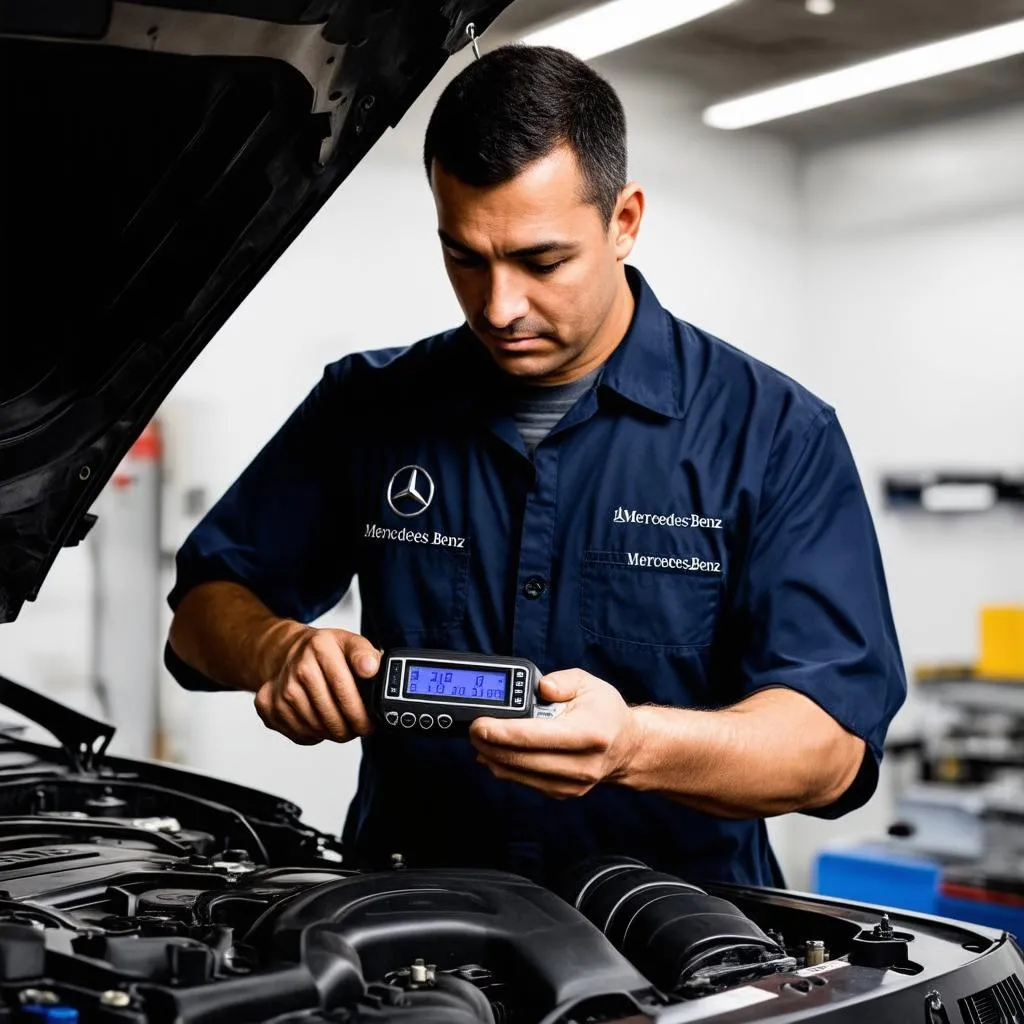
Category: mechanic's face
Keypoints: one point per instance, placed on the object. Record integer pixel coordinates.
(538, 274)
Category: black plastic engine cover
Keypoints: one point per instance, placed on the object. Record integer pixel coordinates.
(523, 932)
(40, 871)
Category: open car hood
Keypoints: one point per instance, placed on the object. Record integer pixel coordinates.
(157, 160)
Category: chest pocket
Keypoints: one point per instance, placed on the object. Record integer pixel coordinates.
(659, 604)
(413, 593)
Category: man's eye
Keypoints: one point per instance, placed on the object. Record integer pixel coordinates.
(545, 268)
(463, 260)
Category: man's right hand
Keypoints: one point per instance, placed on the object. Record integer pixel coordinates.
(313, 695)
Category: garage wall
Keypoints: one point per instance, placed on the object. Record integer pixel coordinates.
(49, 645)
(915, 332)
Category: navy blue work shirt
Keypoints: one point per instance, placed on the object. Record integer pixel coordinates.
(694, 530)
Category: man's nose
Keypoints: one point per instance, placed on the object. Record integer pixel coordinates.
(506, 300)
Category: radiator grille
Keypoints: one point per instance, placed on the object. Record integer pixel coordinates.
(1003, 1003)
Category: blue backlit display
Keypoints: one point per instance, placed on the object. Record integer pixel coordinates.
(449, 682)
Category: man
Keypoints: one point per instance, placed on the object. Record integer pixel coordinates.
(673, 532)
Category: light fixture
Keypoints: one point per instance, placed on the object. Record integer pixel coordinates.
(871, 76)
(820, 7)
(612, 26)
(957, 497)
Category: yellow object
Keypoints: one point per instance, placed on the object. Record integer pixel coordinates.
(1002, 642)
(948, 769)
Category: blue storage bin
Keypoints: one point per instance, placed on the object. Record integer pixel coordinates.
(873, 873)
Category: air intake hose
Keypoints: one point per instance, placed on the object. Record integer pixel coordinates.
(666, 928)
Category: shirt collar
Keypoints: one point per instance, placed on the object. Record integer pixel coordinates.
(643, 368)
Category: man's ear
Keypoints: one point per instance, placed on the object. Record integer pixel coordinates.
(625, 223)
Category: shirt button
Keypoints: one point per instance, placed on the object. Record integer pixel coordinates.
(534, 587)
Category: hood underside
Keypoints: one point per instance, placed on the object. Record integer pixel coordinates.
(157, 161)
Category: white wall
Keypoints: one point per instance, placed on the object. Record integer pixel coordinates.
(720, 243)
(50, 643)
(916, 332)
(914, 265)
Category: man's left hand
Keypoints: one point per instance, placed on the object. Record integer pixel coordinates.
(591, 740)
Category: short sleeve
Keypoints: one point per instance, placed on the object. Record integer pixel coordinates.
(814, 603)
(283, 528)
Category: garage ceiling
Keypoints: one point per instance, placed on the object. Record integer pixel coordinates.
(757, 43)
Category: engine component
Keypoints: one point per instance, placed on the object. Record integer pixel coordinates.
(384, 921)
(676, 934)
(814, 955)
(106, 805)
(881, 947)
(386, 1004)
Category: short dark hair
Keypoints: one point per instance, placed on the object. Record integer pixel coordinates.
(514, 106)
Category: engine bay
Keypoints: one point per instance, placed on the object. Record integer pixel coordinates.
(137, 891)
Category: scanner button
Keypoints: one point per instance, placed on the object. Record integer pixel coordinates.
(408, 720)
(391, 718)
(444, 721)
(426, 721)
(520, 675)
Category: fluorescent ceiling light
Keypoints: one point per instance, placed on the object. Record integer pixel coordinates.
(612, 26)
(872, 76)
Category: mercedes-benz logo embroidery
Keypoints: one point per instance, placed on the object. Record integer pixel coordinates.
(410, 491)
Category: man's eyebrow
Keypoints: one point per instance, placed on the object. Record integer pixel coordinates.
(526, 252)
(541, 249)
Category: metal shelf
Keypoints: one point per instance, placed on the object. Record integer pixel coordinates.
(976, 694)
(952, 491)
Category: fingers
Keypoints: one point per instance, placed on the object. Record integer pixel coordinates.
(361, 655)
(313, 675)
(562, 686)
(306, 694)
(561, 733)
(565, 756)
(573, 765)
(316, 696)
(553, 783)
(341, 692)
(282, 718)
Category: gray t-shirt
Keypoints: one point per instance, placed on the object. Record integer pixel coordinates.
(536, 409)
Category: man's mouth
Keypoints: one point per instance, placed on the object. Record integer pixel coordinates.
(515, 343)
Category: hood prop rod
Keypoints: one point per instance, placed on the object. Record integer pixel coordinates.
(84, 739)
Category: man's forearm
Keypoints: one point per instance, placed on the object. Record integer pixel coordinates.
(227, 633)
(773, 753)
